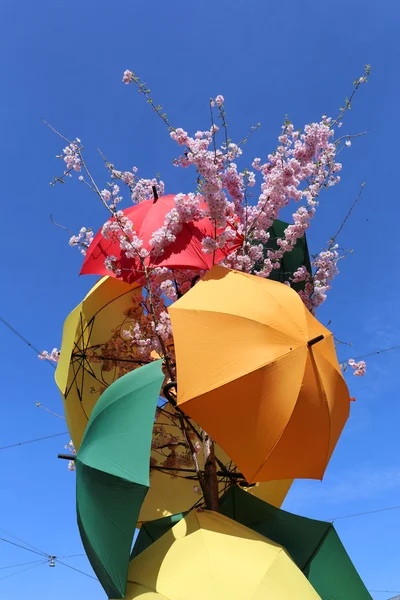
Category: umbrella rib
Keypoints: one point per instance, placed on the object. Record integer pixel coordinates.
(323, 393)
(90, 327)
(130, 291)
(277, 441)
(244, 318)
(314, 553)
(76, 372)
(257, 368)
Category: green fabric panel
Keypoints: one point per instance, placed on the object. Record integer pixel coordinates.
(151, 531)
(300, 536)
(118, 436)
(313, 545)
(112, 472)
(332, 573)
(291, 261)
(107, 510)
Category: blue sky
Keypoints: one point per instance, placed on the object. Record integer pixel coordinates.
(64, 62)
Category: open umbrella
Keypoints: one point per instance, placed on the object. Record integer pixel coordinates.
(147, 217)
(260, 374)
(208, 556)
(314, 545)
(172, 491)
(112, 472)
(83, 370)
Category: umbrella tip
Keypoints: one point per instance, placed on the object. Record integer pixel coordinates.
(315, 340)
(167, 392)
(155, 194)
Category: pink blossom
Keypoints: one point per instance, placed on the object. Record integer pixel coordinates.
(72, 157)
(82, 240)
(359, 368)
(53, 356)
(219, 100)
(127, 77)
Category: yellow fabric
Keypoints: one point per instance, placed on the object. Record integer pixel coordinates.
(80, 380)
(170, 495)
(247, 376)
(273, 492)
(208, 556)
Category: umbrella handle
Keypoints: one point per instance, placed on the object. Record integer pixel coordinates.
(166, 390)
(67, 456)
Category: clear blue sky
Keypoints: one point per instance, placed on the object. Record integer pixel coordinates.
(64, 61)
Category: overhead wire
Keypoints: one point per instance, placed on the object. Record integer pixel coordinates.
(376, 352)
(46, 437)
(23, 541)
(31, 562)
(368, 512)
(24, 547)
(23, 570)
(23, 339)
(75, 569)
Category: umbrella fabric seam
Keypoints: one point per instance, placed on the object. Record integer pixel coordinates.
(226, 382)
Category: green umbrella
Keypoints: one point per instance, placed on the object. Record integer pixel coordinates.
(292, 260)
(152, 530)
(313, 545)
(112, 472)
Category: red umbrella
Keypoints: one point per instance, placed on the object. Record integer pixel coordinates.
(148, 216)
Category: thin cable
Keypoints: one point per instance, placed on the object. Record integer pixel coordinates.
(23, 339)
(23, 541)
(31, 562)
(71, 556)
(23, 570)
(369, 512)
(386, 592)
(46, 437)
(376, 352)
(25, 548)
(77, 570)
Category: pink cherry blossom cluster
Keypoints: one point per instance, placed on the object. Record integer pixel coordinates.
(140, 189)
(72, 157)
(359, 368)
(82, 240)
(121, 229)
(71, 448)
(325, 264)
(52, 356)
(187, 208)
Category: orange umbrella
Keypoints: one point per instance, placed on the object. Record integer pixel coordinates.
(260, 374)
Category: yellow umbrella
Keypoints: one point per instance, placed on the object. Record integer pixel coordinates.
(260, 374)
(87, 364)
(169, 495)
(209, 556)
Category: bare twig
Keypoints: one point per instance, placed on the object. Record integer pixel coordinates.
(39, 405)
(252, 130)
(333, 239)
(60, 226)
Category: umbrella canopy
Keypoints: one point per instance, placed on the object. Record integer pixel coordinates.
(290, 261)
(112, 472)
(314, 545)
(272, 491)
(83, 371)
(177, 491)
(147, 217)
(260, 374)
(207, 555)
